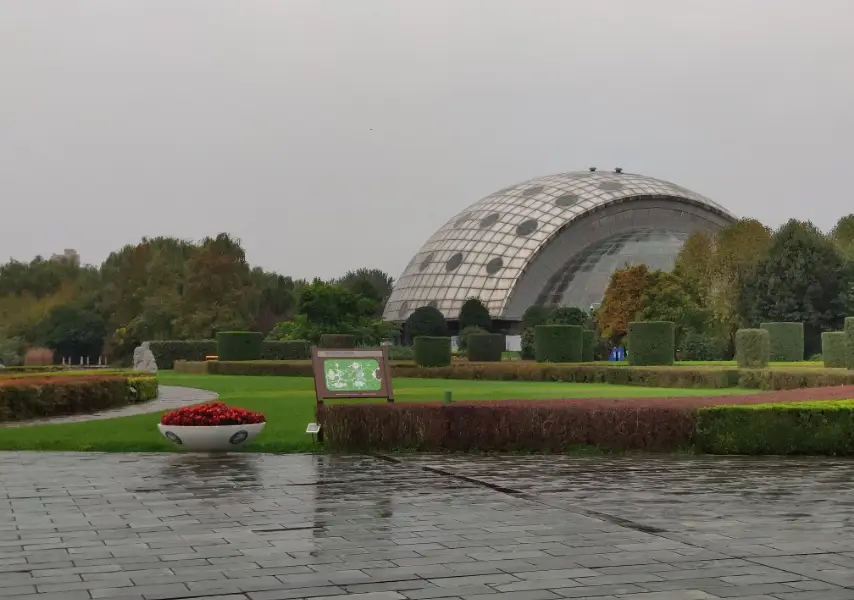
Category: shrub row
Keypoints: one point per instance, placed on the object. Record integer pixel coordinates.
(34, 397)
(834, 350)
(337, 340)
(166, 352)
(653, 343)
(432, 351)
(486, 347)
(239, 345)
(752, 348)
(558, 343)
(787, 341)
(825, 428)
(667, 377)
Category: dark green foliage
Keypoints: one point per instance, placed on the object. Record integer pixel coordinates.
(286, 350)
(834, 349)
(588, 345)
(818, 428)
(486, 347)
(801, 278)
(752, 348)
(849, 341)
(568, 315)
(373, 284)
(401, 353)
(699, 346)
(787, 341)
(166, 352)
(432, 351)
(474, 314)
(535, 315)
(73, 332)
(462, 339)
(329, 306)
(238, 345)
(527, 344)
(337, 340)
(558, 343)
(652, 343)
(426, 321)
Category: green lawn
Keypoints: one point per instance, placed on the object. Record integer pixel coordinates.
(288, 403)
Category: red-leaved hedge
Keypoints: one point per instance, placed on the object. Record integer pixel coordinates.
(651, 424)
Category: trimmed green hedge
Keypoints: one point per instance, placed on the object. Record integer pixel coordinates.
(849, 338)
(752, 348)
(825, 428)
(238, 345)
(166, 352)
(286, 350)
(486, 347)
(787, 341)
(558, 343)
(343, 341)
(652, 343)
(834, 349)
(432, 351)
(41, 397)
(588, 345)
(698, 346)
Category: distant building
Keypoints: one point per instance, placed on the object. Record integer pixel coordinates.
(69, 254)
(552, 241)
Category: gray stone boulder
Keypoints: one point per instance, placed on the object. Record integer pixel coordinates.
(143, 358)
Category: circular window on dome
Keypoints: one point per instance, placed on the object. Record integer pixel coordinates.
(526, 228)
(566, 200)
(532, 191)
(610, 186)
(493, 266)
(426, 262)
(455, 261)
(489, 220)
(463, 218)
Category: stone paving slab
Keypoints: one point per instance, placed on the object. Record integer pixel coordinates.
(168, 398)
(269, 527)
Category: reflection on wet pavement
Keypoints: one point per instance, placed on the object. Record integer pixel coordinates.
(268, 527)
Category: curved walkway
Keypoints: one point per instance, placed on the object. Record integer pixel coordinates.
(169, 397)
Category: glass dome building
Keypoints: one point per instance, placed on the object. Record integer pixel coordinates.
(551, 241)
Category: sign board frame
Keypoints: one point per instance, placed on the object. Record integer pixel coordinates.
(322, 391)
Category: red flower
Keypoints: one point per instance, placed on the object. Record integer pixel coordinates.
(211, 414)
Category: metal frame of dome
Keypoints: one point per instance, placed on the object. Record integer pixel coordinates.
(452, 265)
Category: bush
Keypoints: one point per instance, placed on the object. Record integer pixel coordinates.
(426, 321)
(558, 343)
(166, 352)
(834, 349)
(787, 341)
(529, 426)
(588, 345)
(486, 347)
(40, 397)
(474, 314)
(527, 344)
(401, 353)
(698, 346)
(238, 345)
(652, 343)
(337, 340)
(849, 339)
(431, 351)
(825, 428)
(463, 338)
(38, 357)
(752, 348)
(286, 350)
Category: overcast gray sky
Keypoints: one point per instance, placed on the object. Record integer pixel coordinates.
(360, 126)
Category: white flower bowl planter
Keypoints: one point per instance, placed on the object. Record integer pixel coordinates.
(220, 438)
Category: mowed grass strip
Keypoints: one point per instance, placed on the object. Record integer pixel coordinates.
(288, 404)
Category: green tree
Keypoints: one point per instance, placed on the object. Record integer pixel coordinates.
(842, 235)
(535, 315)
(425, 320)
(695, 264)
(474, 314)
(800, 278)
(370, 283)
(569, 315)
(331, 305)
(275, 298)
(73, 332)
(668, 297)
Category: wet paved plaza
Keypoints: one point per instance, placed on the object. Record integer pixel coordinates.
(267, 527)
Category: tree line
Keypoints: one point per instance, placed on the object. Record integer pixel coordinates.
(167, 288)
(741, 276)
